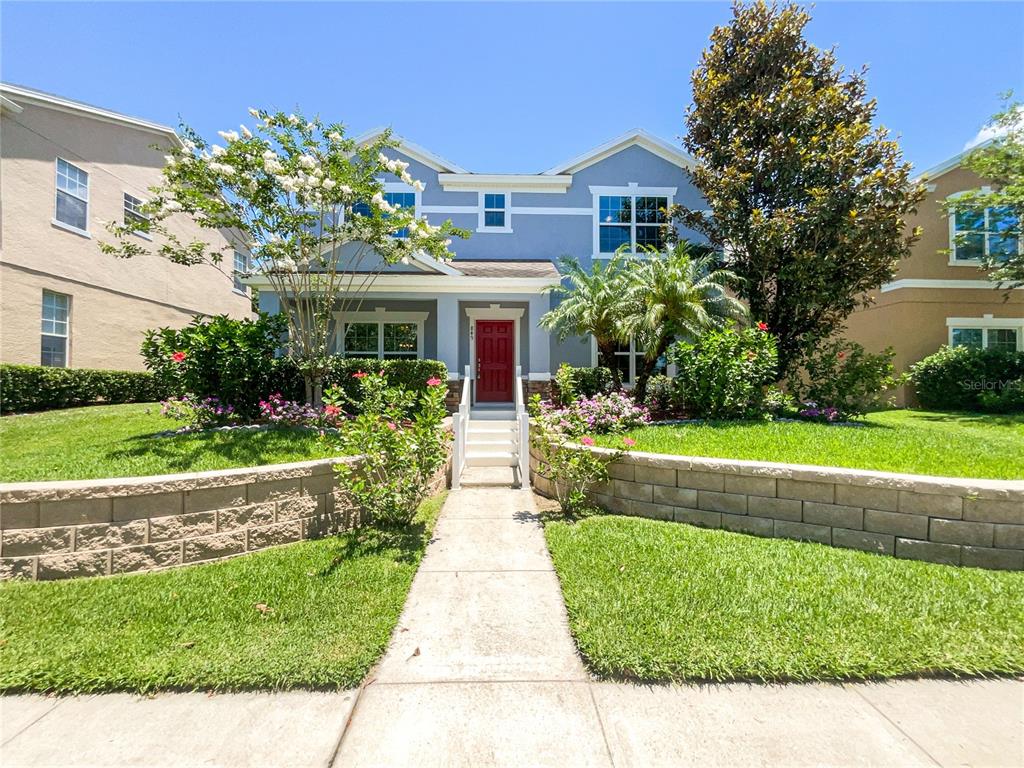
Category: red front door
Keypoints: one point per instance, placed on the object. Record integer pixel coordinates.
(495, 358)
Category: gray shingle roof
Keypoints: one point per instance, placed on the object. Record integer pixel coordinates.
(507, 268)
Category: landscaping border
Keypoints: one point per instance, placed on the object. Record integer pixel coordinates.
(70, 528)
(955, 521)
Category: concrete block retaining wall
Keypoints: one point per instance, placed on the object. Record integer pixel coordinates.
(944, 520)
(60, 530)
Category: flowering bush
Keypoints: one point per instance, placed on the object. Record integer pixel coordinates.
(841, 375)
(198, 413)
(598, 415)
(725, 374)
(399, 436)
(571, 383)
(289, 413)
(812, 412)
(572, 471)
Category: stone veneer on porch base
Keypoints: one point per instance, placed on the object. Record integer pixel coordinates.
(65, 529)
(956, 521)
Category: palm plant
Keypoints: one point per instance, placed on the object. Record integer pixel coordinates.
(675, 296)
(593, 303)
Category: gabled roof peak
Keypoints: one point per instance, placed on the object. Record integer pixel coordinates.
(637, 136)
(413, 150)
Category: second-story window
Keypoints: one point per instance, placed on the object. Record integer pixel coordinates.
(72, 205)
(980, 233)
(494, 212)
(133, 210)
(633, 221)
(241, 268)
(397, 199)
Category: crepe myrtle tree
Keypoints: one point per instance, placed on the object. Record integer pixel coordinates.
(306, 202)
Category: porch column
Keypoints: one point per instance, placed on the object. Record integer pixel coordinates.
(448, 333)
(540, 341)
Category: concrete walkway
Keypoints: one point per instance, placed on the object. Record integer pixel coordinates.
(482, 671)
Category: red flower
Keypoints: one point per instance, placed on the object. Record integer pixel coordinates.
(762, 326)
(587, 440)
(179, 356)
(629, 442)
(332, 410)
(359, 375)
(433, 381)
(841, 355)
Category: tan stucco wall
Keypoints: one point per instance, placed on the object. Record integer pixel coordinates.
(913, 320)
(113, 300)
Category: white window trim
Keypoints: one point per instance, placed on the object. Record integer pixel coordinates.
(987, 323)
(401, 186)
(670, 369)
(633, 190)
(493, 312)
(379, 316)
(57, 222)
(66, 335)
(481, 212)
(124, 210)
(953, 260)
(243, 291)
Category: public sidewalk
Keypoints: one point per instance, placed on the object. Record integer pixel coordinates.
(482, 671)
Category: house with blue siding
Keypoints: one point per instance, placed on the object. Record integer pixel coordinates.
(479, 312)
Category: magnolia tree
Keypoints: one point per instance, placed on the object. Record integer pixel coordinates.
(306, 203)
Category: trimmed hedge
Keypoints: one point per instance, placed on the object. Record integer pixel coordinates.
(40, 388)
(412, 374)
(970, 379)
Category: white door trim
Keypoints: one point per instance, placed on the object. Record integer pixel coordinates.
(493, 312)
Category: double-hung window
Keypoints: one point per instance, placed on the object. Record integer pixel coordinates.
(241, 267)
(72, 204)
(56, 316)
(494, 214)
(396, 199)
(371, 338)
(987, 333)
(637, 222)
(628, 358)
(980, 233)
(133, 210)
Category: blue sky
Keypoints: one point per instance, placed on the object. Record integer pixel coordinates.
(494, 87)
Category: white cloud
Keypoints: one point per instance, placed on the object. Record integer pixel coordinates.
(991, 131)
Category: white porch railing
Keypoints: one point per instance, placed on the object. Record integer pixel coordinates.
(460, 430)
(522, 431)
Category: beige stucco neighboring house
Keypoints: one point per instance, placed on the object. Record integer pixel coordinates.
(940, 295)
(66, 168)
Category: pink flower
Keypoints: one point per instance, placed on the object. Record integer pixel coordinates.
(587, 440)
(433, 381)
(359, 375)
(762, 326)
(629, 442)
(179, 356)
(841, 355)
(331, 410)
(392, 426)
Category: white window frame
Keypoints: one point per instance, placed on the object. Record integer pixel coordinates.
(986, 323)
(482, 211)
(237, 285)
(402, 187)
(124, 211)
(634, 191)
(381, 317)
(986, 232)
(595, 357)
(57, 190)
(67, 327)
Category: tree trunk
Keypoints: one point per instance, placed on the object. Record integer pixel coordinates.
(314, 390)
(644, 375)
(607, 351)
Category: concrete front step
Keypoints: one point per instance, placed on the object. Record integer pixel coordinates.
(489, 446)
(492, 415)
(491, 459)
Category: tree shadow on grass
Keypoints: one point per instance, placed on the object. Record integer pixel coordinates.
(971, 418)
(401, 543)
(236, 448)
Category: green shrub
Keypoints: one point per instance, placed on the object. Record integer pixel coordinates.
(573, 383)
(970, 379)
(840, 374)
(232, 360)
(724, 375)
(39, 388)
(658, 399)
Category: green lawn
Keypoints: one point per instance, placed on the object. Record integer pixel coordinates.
(316, 614)
(920, 442)
(120, 441)
(666, 601)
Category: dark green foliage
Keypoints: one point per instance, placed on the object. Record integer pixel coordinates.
(724, 375)
(219, 357)
(658, 399)
(970, 379)
(840, 374)
(572, 383)
(39, 388)
(810, 196)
